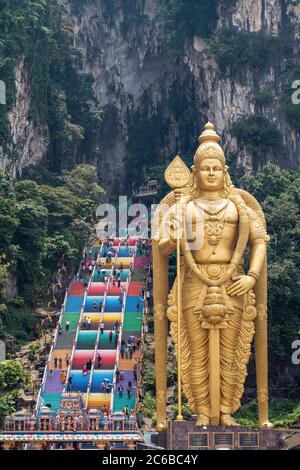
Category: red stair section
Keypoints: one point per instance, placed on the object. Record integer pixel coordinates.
(77, 289)
(135, 288)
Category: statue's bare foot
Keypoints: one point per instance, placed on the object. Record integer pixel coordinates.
(227, 420)
(266, 425)
(202, 420)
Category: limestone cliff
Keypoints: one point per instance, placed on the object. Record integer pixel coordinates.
(155, 102)
(129, 62)
(29, 141)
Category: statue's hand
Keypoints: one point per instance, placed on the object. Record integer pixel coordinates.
(241, 286)
(173, 226)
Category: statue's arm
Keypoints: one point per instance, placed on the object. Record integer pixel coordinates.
(167, 242)
(258, 253)
(257, 242)
(258, 249)
(166, 246)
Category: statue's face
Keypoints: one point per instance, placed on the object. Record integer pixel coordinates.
(210, 174)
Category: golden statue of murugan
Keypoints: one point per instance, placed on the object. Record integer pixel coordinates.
(214, 308)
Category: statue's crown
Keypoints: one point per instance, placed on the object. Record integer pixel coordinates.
(209, 134)
(209, 145)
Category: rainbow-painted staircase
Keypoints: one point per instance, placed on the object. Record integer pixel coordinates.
(95, 300)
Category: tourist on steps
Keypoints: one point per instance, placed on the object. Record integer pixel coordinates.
(67, 360)
(63, 377)
(99, 360)
(126, 411)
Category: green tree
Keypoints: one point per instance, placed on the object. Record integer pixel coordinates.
(8, 213)
(278, 191)
(7, 406)
(82, 181)
(238, 50)
(260, 136)
(12, 374)
(184, 19)
(30, 237)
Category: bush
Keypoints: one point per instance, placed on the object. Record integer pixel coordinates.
(281, 414)
(11, 374)
(237, 50)
(264, 98)
(7, 406)
(148, 407)
(259, 135)
(34, 352)
(184, 19)
(148, 373)
(20, 323)
(278, 191)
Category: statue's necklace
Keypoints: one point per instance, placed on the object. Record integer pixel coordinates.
(214, 231)
(212, 210)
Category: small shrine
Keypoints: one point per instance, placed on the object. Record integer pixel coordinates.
(70, 415)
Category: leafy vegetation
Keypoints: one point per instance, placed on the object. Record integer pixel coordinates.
(184, 19)
(12, 378)
(43, 223)
(282, 414)
(38, 32)
(264, 98)
(21, 323)
(149, 128)
(278, 191)
(239, 50)
(259, 135)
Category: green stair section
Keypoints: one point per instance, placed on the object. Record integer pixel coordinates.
(86, 339)
(99, 277)
(52, 399)
(133, 321)
(104, 342)
(121, 402)
(73, 318)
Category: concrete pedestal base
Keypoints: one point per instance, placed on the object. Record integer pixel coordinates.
(185, 435)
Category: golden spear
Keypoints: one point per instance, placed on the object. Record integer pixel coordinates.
(177, 175)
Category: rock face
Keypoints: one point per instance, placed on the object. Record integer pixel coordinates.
(29, 141)
(126, 66)
(138, 81)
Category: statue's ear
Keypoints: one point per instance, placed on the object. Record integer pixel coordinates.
(193, 180)
(228, 181)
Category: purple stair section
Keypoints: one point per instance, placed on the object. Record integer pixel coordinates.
(55, 385)
(128, 375)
